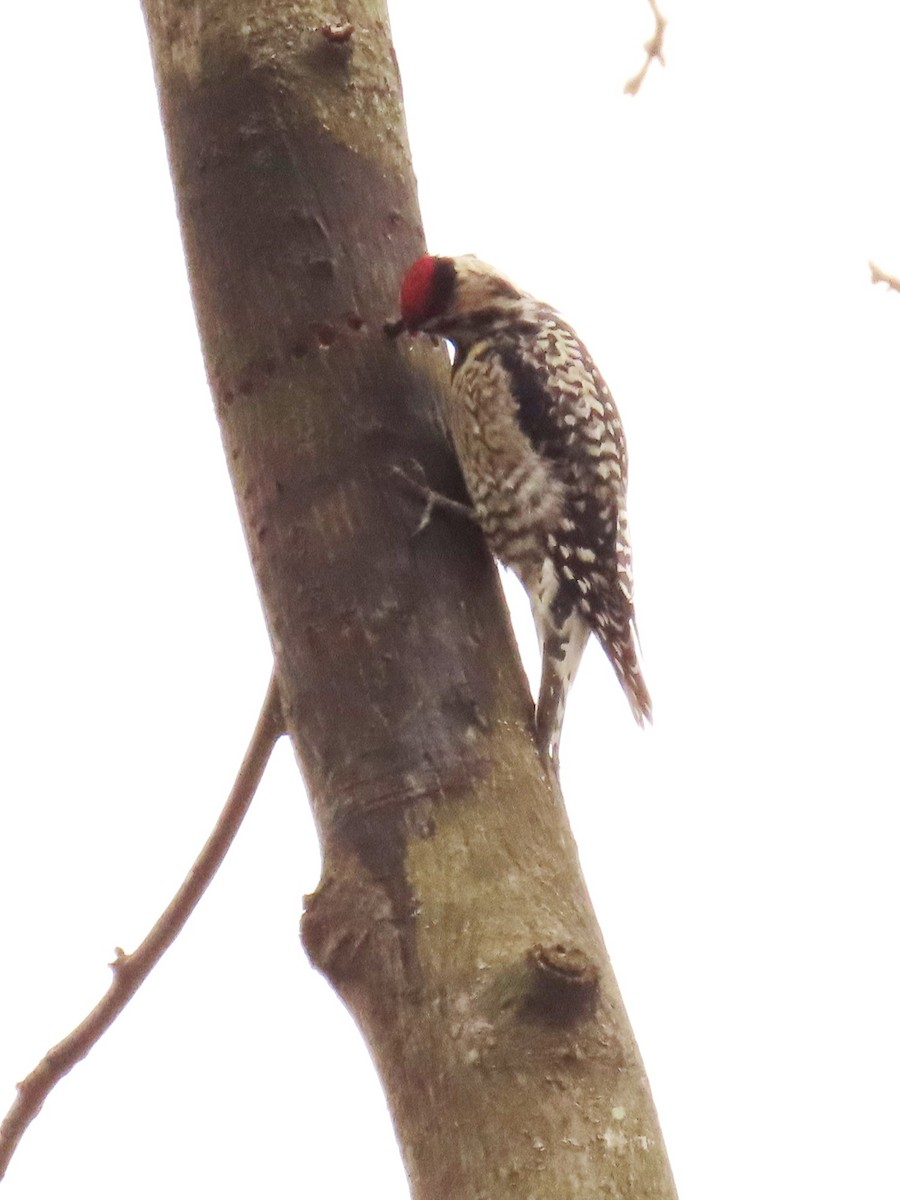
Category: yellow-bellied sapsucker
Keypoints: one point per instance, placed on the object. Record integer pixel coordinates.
(543, 455)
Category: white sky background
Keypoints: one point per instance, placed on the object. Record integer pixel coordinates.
(709, 240)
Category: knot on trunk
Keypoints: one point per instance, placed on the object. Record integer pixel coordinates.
(563, 983)
(357, 934)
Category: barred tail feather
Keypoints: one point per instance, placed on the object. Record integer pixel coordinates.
(562, 648)
(621, 649)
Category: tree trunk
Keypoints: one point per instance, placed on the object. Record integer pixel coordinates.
(451, 917)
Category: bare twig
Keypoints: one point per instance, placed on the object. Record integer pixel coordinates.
(130, 970)
(879, 276)
(653, 49)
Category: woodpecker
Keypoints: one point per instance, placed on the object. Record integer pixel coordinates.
(542, 451)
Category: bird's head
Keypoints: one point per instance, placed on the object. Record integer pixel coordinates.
(454, 296)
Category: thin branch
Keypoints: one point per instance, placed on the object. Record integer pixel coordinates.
(879, 276)
(653, 49)
(130, 970)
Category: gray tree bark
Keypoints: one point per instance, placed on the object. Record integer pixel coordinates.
(451, 917)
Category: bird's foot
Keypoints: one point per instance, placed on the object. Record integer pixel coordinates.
(433, 500)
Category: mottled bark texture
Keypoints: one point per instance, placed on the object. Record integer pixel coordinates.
(452, 917)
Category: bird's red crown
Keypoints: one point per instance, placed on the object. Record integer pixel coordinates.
(426, 289)
(416, 289)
